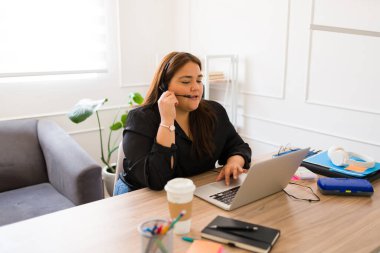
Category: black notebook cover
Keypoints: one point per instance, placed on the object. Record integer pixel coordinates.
(260, 240)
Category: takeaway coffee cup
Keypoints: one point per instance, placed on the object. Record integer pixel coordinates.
(180, 192)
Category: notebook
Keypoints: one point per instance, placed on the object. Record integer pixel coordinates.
(261, 239)
(261, 180)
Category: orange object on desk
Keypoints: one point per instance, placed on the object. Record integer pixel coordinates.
(203, 246)
(355, 168)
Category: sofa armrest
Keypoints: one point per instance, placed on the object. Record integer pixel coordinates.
(70, 169)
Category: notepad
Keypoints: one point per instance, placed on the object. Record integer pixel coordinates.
(356, 168)
(203, 246)
(261, 239)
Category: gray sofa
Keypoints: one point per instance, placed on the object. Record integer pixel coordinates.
(43, 170)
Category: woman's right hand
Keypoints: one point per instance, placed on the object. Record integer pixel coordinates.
(166, 105)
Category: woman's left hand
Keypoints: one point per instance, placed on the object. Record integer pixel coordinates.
(233, 167)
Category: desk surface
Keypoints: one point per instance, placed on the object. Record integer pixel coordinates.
(335, 224)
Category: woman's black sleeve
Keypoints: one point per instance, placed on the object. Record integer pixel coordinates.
(234, 144)
(146, 163)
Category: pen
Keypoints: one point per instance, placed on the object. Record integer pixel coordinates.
(188, 239)
(246, 228)
(165, 229)
(181, 214)
(159, 229)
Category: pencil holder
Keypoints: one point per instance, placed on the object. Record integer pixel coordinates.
(153, 242)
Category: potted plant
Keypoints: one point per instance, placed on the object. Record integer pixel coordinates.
(84, 109)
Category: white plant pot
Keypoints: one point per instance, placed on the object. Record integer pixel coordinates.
(109, 180)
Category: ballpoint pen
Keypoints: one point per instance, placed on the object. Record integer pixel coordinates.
(181, 214)
(245, 228)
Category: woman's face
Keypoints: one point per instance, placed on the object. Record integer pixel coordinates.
(187, 81)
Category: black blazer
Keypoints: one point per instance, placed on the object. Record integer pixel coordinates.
(147, 163)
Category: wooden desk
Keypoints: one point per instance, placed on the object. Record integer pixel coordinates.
(336, 224)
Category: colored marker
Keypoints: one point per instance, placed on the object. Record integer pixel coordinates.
(181, 214)
(188, 239)
(165, 228)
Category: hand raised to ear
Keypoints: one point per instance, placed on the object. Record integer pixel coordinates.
(166, 105)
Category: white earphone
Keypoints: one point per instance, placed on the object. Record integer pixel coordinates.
(340, 157)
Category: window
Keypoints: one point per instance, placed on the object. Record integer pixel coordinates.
(50, 37)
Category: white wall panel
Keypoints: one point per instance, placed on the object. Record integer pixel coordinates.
(344, 71)
(355, 14)
(146, 31)
(255, 30)
(277, 134)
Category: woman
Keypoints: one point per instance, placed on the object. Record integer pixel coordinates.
(176, 133)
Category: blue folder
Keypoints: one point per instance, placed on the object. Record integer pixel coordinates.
(322, 159)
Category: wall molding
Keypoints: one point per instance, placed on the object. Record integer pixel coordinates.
(335, 29)
(323, 28)
(59, 114)
(134, 85)
(87, 130)
(53, 73)
(245, 136)
(250, 93)
(308, 129)
(349, 108)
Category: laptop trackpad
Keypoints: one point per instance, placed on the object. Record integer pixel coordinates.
(221, 185)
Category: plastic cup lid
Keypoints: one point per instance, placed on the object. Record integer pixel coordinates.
(180, 185)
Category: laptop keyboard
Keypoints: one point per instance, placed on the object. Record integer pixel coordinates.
(226, 196)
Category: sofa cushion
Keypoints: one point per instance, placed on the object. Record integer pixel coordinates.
(29, 202)
(21, 160)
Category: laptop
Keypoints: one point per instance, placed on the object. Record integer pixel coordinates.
(262, 179)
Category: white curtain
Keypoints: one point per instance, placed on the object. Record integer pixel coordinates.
(50, 37)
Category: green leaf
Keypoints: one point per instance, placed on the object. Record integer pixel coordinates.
(84, 109)
(136, 97)
(123, 119)
(116, 126)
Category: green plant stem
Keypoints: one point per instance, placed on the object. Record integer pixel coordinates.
(101, 142)
(109, 147)
(112, 148)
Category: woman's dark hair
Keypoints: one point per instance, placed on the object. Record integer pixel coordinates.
(202, 120)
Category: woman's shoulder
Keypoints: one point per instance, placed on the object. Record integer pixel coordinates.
(142, 118)
(144, 111)
(215, 106)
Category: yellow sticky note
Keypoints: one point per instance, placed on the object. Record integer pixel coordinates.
(355, 168)
(203, 246)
